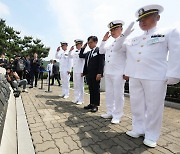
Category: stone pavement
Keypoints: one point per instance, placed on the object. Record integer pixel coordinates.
(59, 126)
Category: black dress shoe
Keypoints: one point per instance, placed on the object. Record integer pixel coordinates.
(94, 109)
(31, 87)
(88, 107)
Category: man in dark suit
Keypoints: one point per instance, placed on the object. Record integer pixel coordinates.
(35, 68)
(27, 68)
(3, 61)
(55, 72)
(93, 69)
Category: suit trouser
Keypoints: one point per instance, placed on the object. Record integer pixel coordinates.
(28, 77)
(34, 74)
(55, 76)
(114, 95)
(78, 87)
(94, 90)
(147, 104)
(65, 77)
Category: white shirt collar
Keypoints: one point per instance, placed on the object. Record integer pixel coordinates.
(93, 49)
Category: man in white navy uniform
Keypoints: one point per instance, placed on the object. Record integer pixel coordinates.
(65, 63)
(78, 65)
(148, 72)
(115, 60)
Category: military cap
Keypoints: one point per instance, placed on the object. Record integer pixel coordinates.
(147, 10)
(78, 41)
(115, 23)
(63, 43)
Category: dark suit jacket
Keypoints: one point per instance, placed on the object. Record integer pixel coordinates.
(35, 66)
(55, 69)
(27, 65)
(95, 65)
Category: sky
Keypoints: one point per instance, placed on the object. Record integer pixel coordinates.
(54, 21)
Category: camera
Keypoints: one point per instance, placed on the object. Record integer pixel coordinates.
(17, 93)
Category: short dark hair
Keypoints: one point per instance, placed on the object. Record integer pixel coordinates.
(55, 61)
(94, 38)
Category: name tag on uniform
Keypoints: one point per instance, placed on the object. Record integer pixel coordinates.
(155, 40)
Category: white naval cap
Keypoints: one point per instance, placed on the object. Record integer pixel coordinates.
(77, 41)
(63, 43)
(148, 9)
(115, 23)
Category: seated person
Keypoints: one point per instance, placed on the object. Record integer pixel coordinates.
(15, 81)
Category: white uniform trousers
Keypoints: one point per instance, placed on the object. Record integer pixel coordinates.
(65, 77)
(147, 104)
(78, 87)
(114, 95)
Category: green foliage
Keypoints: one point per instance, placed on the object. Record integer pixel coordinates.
(86, 89)
(12, 44)
(45, 75)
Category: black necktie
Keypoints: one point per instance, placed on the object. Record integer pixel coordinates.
(89, 56)
(91, 53)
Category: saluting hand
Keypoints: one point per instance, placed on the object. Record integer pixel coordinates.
(106, 36)
(72, 48)
(129, 29)
(58, 49)
(85, 45)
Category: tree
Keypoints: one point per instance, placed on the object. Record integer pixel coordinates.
(12, 44)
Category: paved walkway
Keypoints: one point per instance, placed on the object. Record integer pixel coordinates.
(59, 126)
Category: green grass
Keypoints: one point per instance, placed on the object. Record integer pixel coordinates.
(86, 89)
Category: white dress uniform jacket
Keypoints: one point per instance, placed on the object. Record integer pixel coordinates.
(65, 62)
(147, 55)
(115, 58)
(78, 63)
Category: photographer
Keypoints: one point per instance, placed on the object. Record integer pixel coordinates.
(15, 81)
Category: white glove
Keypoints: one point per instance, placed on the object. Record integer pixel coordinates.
(129, 29)
(171, 81)
(121, 39)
